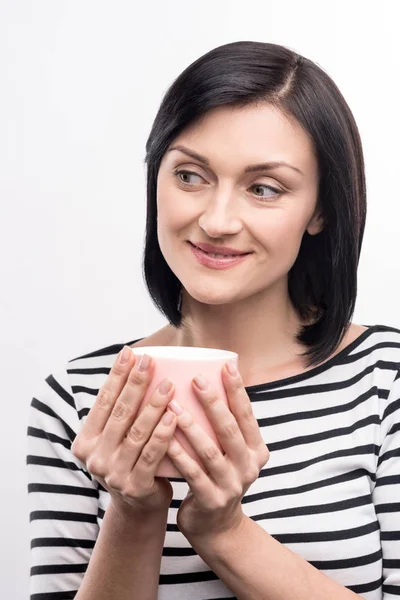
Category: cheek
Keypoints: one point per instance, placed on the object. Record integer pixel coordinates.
(280, 236)
(172, 218)
(280, 230)
(173, 213)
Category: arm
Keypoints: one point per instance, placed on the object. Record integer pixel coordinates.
(126, 559)
(245, 557)
(256, 567)
(63, 503)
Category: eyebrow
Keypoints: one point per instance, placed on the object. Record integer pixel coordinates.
(267, 166)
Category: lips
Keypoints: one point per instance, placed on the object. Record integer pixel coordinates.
(219, 251)
(217, 262)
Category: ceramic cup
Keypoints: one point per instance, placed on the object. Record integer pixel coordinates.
(180, 364)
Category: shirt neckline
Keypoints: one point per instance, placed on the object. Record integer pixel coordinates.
(335, 360)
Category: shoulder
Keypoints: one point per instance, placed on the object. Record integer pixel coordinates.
(111, 350)
(76, 382)
(70, 389)
(381, 342)
(374, 356)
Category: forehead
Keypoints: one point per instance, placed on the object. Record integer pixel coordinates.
(247, 135)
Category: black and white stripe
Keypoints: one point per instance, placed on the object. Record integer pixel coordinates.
(330, 491)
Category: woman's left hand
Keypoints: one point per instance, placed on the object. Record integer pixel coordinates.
(213, 505)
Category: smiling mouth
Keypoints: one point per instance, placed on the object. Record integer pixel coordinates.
(211, 260)
(218, 255)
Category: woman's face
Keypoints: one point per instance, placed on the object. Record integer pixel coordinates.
(264, 211)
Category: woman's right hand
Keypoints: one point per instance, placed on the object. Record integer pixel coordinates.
(122, 449)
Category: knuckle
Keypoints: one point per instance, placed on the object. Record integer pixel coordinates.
(236, 491)
(96, 466)
(120, 411)
(237, 383)
(112, 481)
(251, 475)
(230, 430)
(153, 405)
(211, 453)
(148, 456)
(131, 491)
(158, 400)
(186, 422)
(247, 411)
(161, 436)
(264, 456)
(193, 473)
(136, 377)
(212, 398)
(175, 451)
(77, 449)
(136, 491)
(127, 491)
(135, 434)
(219, 501)
(104, 399)
(118, 370)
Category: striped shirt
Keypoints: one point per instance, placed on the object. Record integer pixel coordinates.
(330, 491)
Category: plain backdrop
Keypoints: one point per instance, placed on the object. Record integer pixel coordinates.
(80, 84)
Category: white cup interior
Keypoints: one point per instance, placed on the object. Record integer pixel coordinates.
(185, 352)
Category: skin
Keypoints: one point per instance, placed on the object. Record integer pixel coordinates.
(220, 204)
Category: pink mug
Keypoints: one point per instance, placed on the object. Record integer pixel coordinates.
(180, 364)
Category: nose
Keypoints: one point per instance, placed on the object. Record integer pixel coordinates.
(219, 218)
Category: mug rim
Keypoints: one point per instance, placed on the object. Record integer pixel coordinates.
(185, 352)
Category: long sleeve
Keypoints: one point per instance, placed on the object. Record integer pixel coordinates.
(62, 495)
(386, 494)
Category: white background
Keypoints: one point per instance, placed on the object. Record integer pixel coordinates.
(80, 84)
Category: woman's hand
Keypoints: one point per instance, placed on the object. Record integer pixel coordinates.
(213, 504)
(123, 450)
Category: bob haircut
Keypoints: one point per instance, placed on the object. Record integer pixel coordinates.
(322, 283)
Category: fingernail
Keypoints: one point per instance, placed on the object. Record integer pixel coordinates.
(232, 368)
(175, 407)
(144, 362)
(165, 386)
(168, 418)
(124, 355)
(200, 382)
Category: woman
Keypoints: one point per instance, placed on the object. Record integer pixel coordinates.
(253, 151)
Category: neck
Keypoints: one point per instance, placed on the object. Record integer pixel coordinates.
(262, 331)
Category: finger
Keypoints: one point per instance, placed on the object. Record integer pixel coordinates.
(224, 424)
(205, 448)
(198, 481)
(154, 451)
(143, 427)
(240, 405)
(107, 396)
(127, 405)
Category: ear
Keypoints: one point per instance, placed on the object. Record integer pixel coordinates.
(316, 223)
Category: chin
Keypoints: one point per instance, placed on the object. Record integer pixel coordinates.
(212, 297)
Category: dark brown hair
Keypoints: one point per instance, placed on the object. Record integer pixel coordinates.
(323, 280)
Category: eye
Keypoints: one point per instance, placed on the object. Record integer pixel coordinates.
(187, 174)
(267, 187)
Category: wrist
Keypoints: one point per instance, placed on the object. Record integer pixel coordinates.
(218, 537)
(137, 514)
